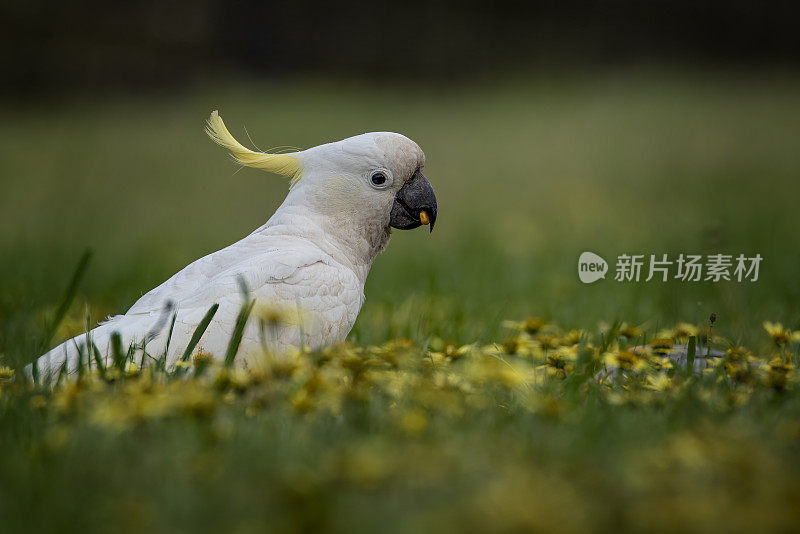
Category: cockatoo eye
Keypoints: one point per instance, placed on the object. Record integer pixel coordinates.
(380, 179)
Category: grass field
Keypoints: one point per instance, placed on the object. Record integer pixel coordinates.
(529, 173)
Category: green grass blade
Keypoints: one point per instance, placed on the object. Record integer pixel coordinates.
(690, 354)
(98, 360)
(81, 367)
(117, 356)
(238, 332)
(66, 300)
(89, 342)
(62, 372)
(35, 372)
(199, 331)
(169, 337)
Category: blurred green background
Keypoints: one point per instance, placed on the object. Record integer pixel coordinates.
(549, 130)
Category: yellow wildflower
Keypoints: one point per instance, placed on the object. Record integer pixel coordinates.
(780, 336)
(680, 332)
(521, 345)
(531, 325)
(6, 373)
(661, 363)
(658, 382)
(629, 332)
(451, 352)
(302, 401)
(560, 362)
(547, 341)
(624, 359)
(737, 363)
(778, 372)
(662, 345)
(573, 337)
(131, 369)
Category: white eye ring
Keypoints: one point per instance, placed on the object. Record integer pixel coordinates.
(379, 178)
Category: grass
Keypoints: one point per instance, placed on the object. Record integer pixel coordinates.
(529, 173)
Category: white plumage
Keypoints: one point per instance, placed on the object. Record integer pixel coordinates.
(308, 263)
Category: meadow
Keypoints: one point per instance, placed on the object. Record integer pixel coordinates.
(474, 392)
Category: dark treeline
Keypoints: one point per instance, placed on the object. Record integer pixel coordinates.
(97, 44)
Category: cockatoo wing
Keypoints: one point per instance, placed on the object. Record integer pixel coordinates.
(195, 276)
(282, 274)
(308, 296)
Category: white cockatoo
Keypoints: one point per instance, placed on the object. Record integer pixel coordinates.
(305, 268)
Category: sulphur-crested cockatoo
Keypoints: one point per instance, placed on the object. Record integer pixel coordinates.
(305, 268)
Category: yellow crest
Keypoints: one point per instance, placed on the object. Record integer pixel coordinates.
(283, 164)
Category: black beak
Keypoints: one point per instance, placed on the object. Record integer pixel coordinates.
(414, 205)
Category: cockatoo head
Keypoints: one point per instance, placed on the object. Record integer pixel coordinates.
(376, 177)
(367, 183)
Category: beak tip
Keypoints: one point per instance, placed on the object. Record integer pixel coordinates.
(426, 219)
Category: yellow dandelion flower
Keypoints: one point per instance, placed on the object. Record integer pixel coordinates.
(662, 345)
(778, 366)
(521, 345)
(452, 352)
(661, 363)
(281, 367)
(6, 373)
(202, 360)
(560, 363)
(680, 332)
(624, 359)
(573, 337)
(511, 345)
(737, 363)
(547, 341)
(778, 372)
(658, 382)
(531, 325)
(780, 335)
(302, 401)
(239, 379)
(493, 369)
(629, 332)
(131, 369)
